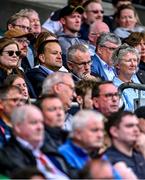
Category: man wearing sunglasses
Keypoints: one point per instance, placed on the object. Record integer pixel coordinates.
(93, 11)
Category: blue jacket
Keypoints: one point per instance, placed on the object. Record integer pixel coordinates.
(97, 68)
(74, 155)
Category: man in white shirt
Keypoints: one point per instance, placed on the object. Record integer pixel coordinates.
(23, 150)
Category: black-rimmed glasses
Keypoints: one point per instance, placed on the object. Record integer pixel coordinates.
(82, 63)
(111, 95)
(11, 52)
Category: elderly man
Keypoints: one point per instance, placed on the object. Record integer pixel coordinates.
(102, 60)
(87, 136)
(95, 30)
(23, 150)
(79, 62)
(61, 84)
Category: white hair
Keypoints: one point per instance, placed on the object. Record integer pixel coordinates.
(82, 118)
(20, 113)
(51, 80)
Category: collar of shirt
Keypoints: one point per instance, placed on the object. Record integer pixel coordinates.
(27, 145)
(106, 66)
(48, 71)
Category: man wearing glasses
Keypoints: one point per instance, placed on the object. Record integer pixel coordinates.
(106, 98)
(79, 62)
(10, 97)
(93, 11)
(102, 64)
(19, 21)
(22, 22)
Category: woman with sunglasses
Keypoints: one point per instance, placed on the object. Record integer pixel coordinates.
(9, 58)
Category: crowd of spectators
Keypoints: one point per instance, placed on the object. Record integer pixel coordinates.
(63, 114)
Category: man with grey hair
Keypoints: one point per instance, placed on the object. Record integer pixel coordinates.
(102, 60)
(87, 136)
(61, 84)
(23, 150)
(33, 16)
(79, 62)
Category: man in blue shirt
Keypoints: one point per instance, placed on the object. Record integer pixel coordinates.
(87, 136)
(102, 64)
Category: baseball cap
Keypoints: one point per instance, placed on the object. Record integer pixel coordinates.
(69, 9)
(17, 33)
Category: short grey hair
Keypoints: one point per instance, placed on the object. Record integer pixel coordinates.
(72, 50)
(108, 37)
(28, 12)
(81, 119)
(121, 51)
(21, 113)
(51, 80)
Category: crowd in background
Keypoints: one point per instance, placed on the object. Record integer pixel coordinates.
(63, 114)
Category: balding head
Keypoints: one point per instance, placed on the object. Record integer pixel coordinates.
(96, 29)
(27, 123)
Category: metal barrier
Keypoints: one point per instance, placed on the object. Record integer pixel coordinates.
(139, 87)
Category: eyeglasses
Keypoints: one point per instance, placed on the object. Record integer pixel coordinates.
(16, 100)
(110, 48)
(96, 11)
(22, 26)
(70, 86)
(11, 53)
(111, 95)
(82, 64)
(22, 40)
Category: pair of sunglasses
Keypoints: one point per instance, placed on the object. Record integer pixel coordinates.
(11, 53)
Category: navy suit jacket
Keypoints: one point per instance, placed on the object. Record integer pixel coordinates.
(97, 68)
(36, 76)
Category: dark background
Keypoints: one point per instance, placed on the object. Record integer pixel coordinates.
(9, 7)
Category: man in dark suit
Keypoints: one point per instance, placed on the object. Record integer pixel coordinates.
(50, 60)
(23, 149)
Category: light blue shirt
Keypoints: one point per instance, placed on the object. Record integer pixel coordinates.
(109, 70)
(92, 49)
(129, 94)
